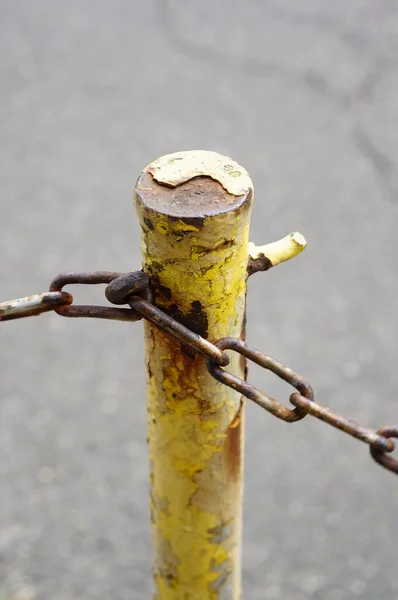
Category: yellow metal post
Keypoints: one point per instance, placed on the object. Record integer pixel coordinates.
(194, 213)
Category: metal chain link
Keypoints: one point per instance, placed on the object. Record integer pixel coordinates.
(134, 289)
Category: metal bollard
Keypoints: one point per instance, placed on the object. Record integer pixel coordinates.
(194, 212)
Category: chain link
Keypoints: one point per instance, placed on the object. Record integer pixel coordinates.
(33, 305)
(133, 289)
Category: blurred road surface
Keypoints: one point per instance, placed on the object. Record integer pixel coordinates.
(305, 96)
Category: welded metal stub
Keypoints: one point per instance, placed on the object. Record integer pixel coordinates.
(179, 167)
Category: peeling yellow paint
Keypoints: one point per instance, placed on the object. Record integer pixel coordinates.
(174, 169)
(195, 494)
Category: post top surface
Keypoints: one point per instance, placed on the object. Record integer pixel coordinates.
(193, 184)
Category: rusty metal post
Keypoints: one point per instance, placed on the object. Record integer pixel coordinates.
(194, 212)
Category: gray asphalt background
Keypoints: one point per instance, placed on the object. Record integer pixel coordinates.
(305, 96)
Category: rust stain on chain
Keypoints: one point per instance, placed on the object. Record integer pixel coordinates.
(388, 462)
(34, 305)
(191, 330)
(326, 414)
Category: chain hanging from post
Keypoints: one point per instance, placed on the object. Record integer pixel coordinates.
(133, 289)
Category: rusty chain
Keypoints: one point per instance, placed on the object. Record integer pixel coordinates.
(133, 289)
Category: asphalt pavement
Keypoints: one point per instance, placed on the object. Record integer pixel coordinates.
(305, 96)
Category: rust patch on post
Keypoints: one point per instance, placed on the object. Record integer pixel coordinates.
(233, 444)
(260, 263)
(196, 319)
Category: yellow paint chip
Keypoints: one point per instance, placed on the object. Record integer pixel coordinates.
(175, 169)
